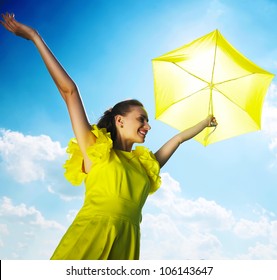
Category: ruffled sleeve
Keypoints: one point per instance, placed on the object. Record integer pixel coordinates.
(98, 152)
(151, 165)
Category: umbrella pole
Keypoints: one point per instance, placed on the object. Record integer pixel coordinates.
(211, 107)
(210, 112)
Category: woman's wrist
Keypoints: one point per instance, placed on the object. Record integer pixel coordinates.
(35, 37)
(206, 122)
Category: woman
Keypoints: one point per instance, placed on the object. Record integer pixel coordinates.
(117, 178)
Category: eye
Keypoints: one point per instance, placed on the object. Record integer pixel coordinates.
(141, 119)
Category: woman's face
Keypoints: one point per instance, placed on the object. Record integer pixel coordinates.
(134, 125)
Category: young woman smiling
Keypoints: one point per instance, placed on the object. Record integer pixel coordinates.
(118, 178)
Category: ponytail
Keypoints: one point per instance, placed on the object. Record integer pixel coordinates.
(107, 121)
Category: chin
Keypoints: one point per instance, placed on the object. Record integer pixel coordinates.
(140, 141)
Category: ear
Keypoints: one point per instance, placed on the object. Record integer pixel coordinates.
(119, 120)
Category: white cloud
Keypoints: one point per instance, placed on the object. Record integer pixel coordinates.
(200, 209)
(249, 229)
(62, 196)
(167, 238)
(24, 157)
(183, 228)
(32, 216)
(265, 226)
(261, 252)
(25, 232)
(3, 231)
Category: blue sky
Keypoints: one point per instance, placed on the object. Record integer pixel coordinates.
(216, 202)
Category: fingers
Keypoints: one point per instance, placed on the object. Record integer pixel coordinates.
(15, 27)
(9, 21)
(8, 16)
(211, 121)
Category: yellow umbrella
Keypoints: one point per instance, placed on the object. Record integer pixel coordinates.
(209, 76)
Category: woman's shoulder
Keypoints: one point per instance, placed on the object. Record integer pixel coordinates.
(101, 134)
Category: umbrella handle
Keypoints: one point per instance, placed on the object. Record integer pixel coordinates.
(213, 124)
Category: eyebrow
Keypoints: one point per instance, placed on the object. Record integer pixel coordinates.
(145, 117)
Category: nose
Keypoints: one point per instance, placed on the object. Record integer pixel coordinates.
(147, 126)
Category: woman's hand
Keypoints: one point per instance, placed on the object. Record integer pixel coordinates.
(17, 28)
(211, 121)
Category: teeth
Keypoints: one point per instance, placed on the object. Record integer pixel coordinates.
(142, 132)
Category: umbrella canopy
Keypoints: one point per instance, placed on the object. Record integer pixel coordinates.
(209, 76)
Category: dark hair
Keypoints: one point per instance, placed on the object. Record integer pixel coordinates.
(122, 108)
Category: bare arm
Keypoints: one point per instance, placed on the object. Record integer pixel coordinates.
(64, 83)
(167, 150)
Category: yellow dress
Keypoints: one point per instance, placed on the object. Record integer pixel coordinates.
(108, 224)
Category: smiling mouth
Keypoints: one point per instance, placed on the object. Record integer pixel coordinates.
(142, 133)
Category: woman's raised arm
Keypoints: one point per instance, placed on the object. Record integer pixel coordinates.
(167, 150)
(66, 86)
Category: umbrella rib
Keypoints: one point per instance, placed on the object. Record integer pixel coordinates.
(230, 100)
(215, 50)
(173, 103)
(234, 79)
(236, 104)
(199, 78)
(211, 107)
